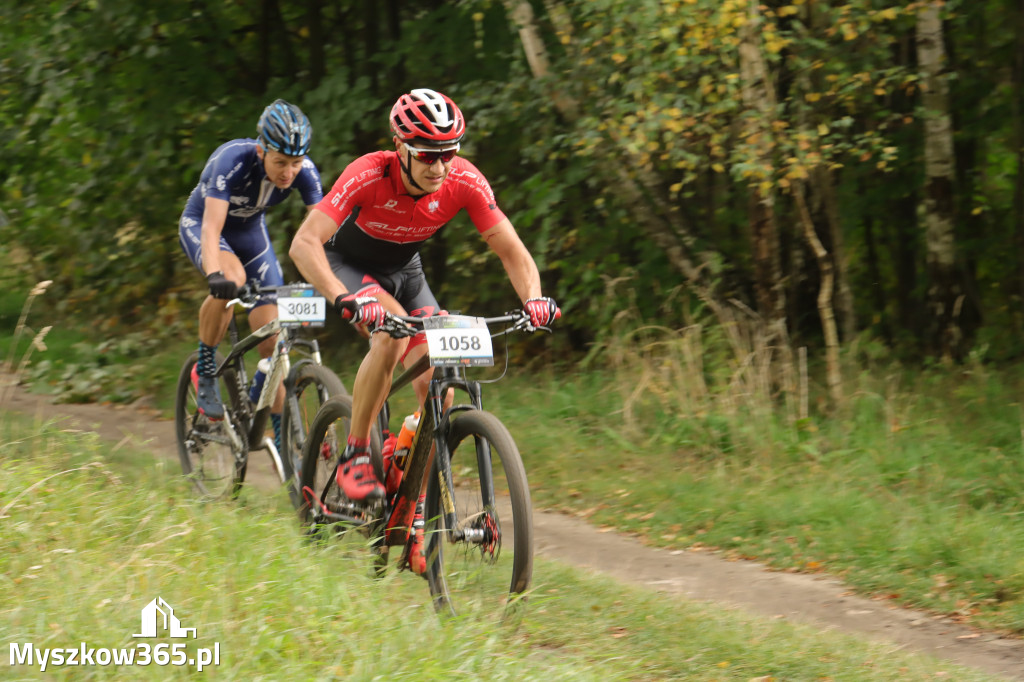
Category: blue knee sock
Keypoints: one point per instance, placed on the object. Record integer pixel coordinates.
(207, 364)
(275, 419)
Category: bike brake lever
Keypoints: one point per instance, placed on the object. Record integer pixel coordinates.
(395, 327)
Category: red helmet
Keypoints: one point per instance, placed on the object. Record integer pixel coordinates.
(429, 116)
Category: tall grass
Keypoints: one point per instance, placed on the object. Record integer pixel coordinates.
(709, 436)
(695, 437)
(86, 542)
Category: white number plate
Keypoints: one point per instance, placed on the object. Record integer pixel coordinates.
(300, 306)
(458, 340)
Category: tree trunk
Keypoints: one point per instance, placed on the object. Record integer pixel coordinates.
(1018, 144)
(833, 373)
(878, 300)
(759, 96)
(824, 185)
(945, 294)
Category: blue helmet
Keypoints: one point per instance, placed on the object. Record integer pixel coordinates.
(284, 128)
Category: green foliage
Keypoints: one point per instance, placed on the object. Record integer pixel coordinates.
(108, 111)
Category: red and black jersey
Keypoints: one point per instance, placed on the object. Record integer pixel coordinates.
(380, 224)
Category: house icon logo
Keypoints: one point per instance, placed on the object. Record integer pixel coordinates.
(158, 617)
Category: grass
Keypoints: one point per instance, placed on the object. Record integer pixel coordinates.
(910, 492)
(88, 542)
(909, 496)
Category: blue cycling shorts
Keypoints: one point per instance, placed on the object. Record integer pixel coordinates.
(250, 243)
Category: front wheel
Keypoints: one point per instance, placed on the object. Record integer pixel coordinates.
(213, 454)
(483, 561)
(311, 386)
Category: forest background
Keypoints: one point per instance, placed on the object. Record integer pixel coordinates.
(831, 172)
(787, 238)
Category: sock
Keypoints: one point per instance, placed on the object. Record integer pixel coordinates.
(358, 444)
(206, 366)
(275, 419)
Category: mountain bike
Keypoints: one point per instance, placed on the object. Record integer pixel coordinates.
(215, 453)
(479, 524)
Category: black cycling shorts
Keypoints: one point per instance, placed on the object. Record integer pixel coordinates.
(407, 284)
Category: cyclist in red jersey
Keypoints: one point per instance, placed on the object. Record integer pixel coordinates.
(361, 244)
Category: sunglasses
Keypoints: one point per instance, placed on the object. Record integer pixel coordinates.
(429, 156)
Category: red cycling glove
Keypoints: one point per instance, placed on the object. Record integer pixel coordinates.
(542, 311)
(364, 310)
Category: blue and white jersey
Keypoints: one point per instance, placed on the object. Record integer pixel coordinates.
(235, 173)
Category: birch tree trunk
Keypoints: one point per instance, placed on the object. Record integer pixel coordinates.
(822, 181)
(945, 295)
(833, 373)
(759, 96)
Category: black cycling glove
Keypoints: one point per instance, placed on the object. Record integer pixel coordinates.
(221, 287)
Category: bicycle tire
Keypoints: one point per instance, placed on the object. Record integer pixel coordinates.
(476, 575)
(311, 386)
(214, 462)
(328, 435)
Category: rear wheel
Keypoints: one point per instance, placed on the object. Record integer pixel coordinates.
(312, 386)
(484, 561)
(213, 454)
(321, 500)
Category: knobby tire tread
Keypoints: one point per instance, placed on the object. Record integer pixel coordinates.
(466, 426)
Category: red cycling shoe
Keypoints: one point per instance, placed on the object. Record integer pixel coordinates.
(356, 476)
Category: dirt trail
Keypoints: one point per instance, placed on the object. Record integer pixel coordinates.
(749, 586)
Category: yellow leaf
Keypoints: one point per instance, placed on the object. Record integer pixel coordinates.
(812, 96)
(618, 58)
(86, 159)
(822, 129)
(675, 189)
(718, 168)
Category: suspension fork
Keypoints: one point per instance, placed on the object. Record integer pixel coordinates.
(442, 468)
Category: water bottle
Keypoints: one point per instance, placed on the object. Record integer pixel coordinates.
(405, 438)
(262, 367)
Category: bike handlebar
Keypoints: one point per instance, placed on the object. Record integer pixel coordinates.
(252, 291)
(401, 326)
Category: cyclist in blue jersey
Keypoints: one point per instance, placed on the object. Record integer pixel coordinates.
(224, 232)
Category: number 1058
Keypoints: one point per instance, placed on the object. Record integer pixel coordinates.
(454, 342)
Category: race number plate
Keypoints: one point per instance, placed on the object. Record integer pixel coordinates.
(300, 306)
(458, 340)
